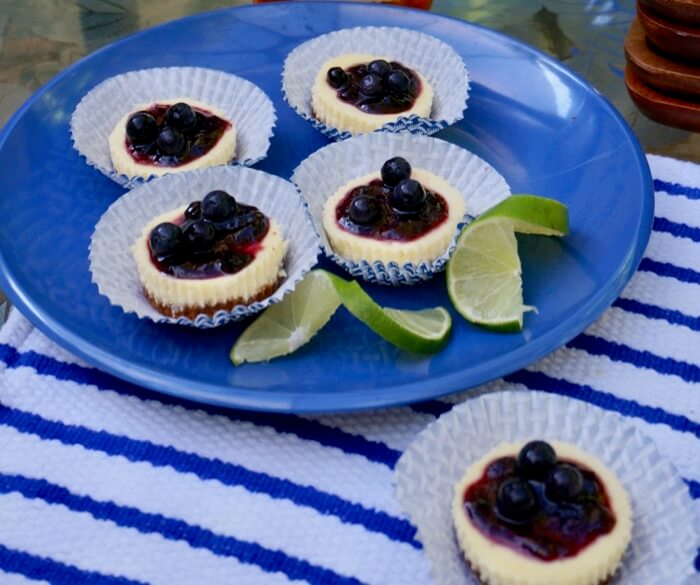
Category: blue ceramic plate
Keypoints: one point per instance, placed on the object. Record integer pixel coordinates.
(543, 128)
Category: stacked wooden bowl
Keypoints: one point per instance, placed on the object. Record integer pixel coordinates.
(663, 61)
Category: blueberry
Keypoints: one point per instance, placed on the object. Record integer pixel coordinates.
(371, 85)
(363, 210)
(199, 235)
(336, 77)
(379, 67)
(397, 82)
(194, 210)
(170, 142)
(516, 502)
(536, 459)
(564, 482)
(408, 196)
(165, 239)
(181, 117)
(141, 128)
(218, 205)
(395, 170)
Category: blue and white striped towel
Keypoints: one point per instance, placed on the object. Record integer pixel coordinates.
(104, 483)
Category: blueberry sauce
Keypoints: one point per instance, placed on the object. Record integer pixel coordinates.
(550, 525)
(190, 143)
(194, 246)
(390, 223)
(395, 91)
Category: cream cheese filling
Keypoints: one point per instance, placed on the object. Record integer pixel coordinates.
(330, 110)
(221, 153)
(266, 269)
(426, 248)
(497, 564)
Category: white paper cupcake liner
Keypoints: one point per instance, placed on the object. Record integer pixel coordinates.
(326, 170)
(112, 264)
(436, 61)
(242, 102)
(665, 532)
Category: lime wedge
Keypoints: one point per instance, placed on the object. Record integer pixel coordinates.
(289, 324)
(532, 214)
(286, 326)
(483, 275)
(422, 331)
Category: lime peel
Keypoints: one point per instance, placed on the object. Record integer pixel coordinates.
(290, 324)
(484, 279)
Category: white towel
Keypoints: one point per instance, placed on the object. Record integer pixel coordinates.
(103, 482)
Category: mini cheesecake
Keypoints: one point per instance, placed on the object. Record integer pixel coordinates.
(171, 135)
(398, 214)
(359, 93)
(541, 514)
(211, 255)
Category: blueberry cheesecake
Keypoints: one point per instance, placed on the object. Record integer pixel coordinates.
(541, 514)
(398, 214)
(360, 93)
(211, 255)
(171, 135)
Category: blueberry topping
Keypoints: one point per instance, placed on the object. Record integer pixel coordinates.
(199, 235)
(218, 205)
(500, 468)
(378, 87)
(363, 210)
(395, 170)
(564, 482)
(233, 264)
(194, 210)
(371, 85)
(181, 117)
(172, 135)
(379, 67)
(516, 502)
(408, 196)
(141, 129)
(397, 82)
(536, 459)
(170, 141)
(165, 239)
(348, 94)
(336, 77)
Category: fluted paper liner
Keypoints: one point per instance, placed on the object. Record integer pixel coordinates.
(435, 60)
(243, 103)
(665, 531)
(325, 171)
(112, 264)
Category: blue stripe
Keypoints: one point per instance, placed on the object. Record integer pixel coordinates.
(249, 553)
(641, 359)
(650, 414)
(303, 428)
(694, 487)
(551, 385)
(45, 569)
(680, 230)
(396, 529)
(655, 312)
(670, 271)
(677, 189)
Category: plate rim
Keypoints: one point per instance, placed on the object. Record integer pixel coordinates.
(361, 399)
